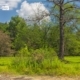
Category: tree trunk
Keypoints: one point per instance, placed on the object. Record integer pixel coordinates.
(61, 47)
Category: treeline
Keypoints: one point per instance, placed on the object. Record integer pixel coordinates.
(19, 38)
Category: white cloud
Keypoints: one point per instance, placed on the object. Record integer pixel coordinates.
(33, 11)
(8, 4)
(5, 7)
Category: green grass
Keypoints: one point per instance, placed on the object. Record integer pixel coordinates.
(18, 65)
(73, 65)
(6, 60)
(73, 59)
(5, 63)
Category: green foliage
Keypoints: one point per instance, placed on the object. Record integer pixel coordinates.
(34, 37)
(3, 27)
(54, 38)
(25, 65)
(16, 24)
(32, 62)
(19, 64)
(72, 44)
(5, 65)
(39, 55)
(23, 52)
(17, 28)
(41, 36)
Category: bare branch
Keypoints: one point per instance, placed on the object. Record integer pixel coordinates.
(57, 2)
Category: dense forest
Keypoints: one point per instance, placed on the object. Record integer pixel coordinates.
(17, 35)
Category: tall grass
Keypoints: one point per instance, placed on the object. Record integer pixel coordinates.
(40, 65)
(46, 67)
(34, 65)
(5, 63)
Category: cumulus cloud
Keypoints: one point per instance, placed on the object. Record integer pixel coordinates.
(8, 4)
(33, 11)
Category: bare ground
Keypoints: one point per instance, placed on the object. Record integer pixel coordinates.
(7, 77)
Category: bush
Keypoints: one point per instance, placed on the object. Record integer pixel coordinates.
(23, 52)
(39, 55)
(48, 66)
(19, 64)
(32, 63)
(73, 48)
(5, 45)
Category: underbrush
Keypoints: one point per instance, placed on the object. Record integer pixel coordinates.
(40, 62)
(46, 67)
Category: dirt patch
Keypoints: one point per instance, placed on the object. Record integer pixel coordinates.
(3, 77)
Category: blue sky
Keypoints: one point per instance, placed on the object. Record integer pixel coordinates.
(23, 8)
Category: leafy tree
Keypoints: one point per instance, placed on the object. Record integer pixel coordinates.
(78, 35)
(34, 37)
(3, 26)
(72, 43)
(45, 28)
(17, 27)
(53, 40)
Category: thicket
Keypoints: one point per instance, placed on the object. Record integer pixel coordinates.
(46, 66)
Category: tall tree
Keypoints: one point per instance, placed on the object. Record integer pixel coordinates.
(65, 15)
(17, 26)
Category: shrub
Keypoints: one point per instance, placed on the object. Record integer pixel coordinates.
(39, 55)
(32, 63)
(23, 52)
(5, 45)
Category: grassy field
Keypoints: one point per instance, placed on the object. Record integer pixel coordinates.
(11, 65)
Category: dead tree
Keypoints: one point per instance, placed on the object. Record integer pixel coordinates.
(64, 7)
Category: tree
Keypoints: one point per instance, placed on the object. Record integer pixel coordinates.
(65, 15)
(5, 44)
(54, 37)
(3, 26)
(17, 28)
(72, 42)
(34, 37)
(39, 14)
(15, 25)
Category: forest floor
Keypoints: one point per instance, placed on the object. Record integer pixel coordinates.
(8, 77)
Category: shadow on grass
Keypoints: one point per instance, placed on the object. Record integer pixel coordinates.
(69, 62)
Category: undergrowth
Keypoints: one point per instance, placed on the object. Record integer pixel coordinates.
(40, 62)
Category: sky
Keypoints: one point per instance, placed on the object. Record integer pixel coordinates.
(24, 8)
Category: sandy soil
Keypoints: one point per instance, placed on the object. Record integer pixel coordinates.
(7, 77)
